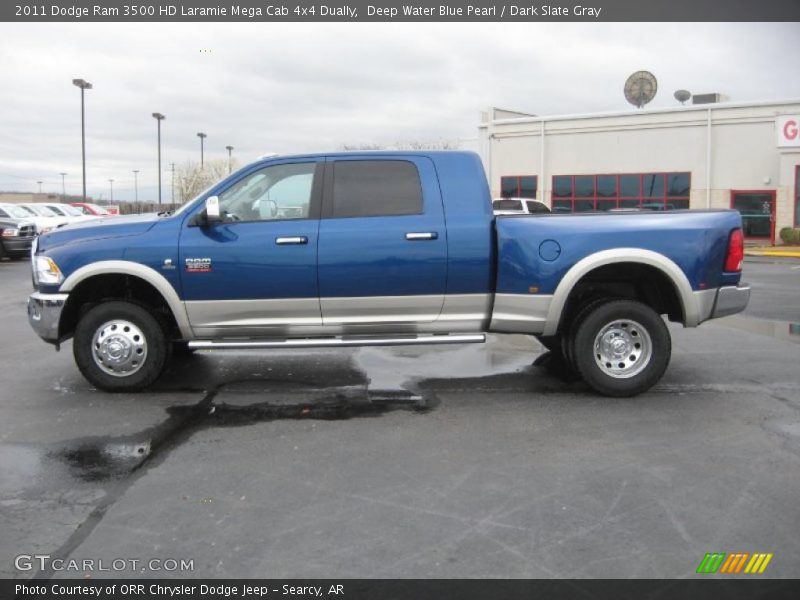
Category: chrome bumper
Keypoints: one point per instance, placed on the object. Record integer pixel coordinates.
(44, 314)
(731, 300)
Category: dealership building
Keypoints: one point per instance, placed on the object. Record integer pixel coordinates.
(722, 155)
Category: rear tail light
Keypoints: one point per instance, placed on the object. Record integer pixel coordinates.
(735, 256)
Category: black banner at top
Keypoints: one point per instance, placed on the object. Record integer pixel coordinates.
(549, 11)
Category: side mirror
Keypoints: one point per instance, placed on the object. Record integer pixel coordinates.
(212, 210)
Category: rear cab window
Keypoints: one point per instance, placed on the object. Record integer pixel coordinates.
(507, 204)
(371, 188)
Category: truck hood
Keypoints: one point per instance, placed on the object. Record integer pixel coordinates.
(96, 229)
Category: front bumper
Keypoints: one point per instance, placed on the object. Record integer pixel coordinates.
(17, 246)
(730, 300)
(44, 314)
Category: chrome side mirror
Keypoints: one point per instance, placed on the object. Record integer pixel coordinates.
(212, 210)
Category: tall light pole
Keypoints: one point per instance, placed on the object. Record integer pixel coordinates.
(111, 183)
(84, 85)
(172, 193)
(136, 186)
(229, 149)
(40, 186)
(202, 136)
(159, 117)
(63, 187)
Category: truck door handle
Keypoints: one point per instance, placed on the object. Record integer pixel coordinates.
(420, 235)
(296, 240)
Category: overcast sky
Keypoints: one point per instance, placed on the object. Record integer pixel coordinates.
(312, 87)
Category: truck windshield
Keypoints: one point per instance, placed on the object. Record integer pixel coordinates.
(17, 212)
(41, 210)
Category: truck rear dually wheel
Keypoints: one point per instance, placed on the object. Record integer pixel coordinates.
(621, 347)
(120, 347)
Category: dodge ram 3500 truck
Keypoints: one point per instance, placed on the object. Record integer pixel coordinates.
(379, 248)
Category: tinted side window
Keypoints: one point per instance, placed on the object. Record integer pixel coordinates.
(368, 188)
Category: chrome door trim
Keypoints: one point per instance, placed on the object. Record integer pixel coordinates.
(381, 309)
(462, 313)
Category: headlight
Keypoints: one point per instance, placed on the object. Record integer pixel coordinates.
(44, 230)
(46, 271)
(11, 232)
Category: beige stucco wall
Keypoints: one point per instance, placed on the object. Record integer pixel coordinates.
(744, 152)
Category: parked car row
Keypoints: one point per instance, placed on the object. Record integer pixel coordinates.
(47, 216)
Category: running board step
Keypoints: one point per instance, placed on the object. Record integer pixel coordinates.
(338, 342)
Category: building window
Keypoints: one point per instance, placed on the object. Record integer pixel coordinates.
(758, 213)
(797, 196)
(648, 191)
(518, 186)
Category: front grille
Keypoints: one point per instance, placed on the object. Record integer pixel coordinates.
(27, 231)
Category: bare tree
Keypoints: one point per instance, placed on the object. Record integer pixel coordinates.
(191, 179)
(428, 145)
(366, 147)
(404, 145)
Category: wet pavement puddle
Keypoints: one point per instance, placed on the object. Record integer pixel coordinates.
(779, 330)
(392, 381)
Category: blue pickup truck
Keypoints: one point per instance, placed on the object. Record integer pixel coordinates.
(380, 248)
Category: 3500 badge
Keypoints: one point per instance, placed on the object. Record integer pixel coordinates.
(198, 265)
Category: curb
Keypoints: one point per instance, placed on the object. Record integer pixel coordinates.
(778, 253)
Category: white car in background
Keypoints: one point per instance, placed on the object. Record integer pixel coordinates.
(518, 206)
(40, 210)
(43, 224)
(72, 214)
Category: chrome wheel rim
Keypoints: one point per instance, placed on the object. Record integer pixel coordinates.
(119, 348)
(622, 349)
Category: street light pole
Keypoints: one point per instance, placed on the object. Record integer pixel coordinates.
(229, 149)
(111, 182)
(136, 186)
(202, 136)
(172, 192)
(84, 85)
(159, 117)
(40, 186)
(63, 187)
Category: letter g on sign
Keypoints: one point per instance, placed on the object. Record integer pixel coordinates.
(787, 128)
(790, 130)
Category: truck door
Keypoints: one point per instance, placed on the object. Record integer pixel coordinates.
(255, 273)
(382, 242)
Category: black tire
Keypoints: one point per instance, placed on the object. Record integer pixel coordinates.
(637, 324)
(571, 329)
(555, 360)
(156, 346)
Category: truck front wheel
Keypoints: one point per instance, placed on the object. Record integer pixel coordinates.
(621, 347)
(120, 347)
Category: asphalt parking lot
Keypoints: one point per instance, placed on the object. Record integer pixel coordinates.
(447, 462)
